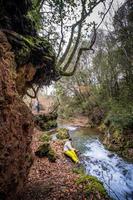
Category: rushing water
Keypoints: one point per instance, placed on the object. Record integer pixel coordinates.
(115, 173)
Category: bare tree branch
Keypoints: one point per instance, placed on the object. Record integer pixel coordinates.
(84, 15)
(105, 14)
(35, 91)
(63, 73)
(40, 4)
(62, 35)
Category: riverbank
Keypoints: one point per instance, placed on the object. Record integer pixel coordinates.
(121, 143)
(78, 121)
(56, 180)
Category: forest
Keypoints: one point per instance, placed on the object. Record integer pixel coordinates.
(74, 141)
(101, 88)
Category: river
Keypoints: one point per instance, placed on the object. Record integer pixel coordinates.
(113, 171)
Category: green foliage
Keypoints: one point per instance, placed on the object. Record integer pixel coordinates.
(103, 88)
(35, 16)
(120, 116)
(37, 46)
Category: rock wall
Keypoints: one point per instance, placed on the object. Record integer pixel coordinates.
(122, 143)
(16, 127)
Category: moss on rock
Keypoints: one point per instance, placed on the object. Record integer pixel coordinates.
(52, 155)
(62, 133)
(45, 150)
(45, 137)
(27, 45)
(46, 122)
(118, 141)
(91, 185)
(78, 170)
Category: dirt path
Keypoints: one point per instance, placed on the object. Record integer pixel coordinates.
(51, 181)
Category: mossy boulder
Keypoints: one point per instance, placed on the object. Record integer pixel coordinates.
(102, 127)
(129, 144)
(78, 170)
(45, 137)
(120, 142)
(62, 133)
(45, 150)
(50, 124)
(52, 155)
(46, 122)
(91, 185)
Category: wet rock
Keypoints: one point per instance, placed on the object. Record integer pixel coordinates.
(111, 155)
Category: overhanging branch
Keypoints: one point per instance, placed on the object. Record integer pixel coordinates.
(78, 24)
(64, 73)
(35, 91)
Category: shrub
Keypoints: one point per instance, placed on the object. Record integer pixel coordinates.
(120, 117)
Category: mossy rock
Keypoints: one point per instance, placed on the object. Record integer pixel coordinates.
(52, 155)
(45, 137)
(91, 185)
(129, 144)
(78, 170)
(51, 124)
(102, 127)
(62, 133)
(43, 150)
(46, 122)
(117, 135)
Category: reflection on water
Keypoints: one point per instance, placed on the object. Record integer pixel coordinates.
(113, 171)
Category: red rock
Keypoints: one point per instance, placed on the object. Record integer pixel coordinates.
(16, 127)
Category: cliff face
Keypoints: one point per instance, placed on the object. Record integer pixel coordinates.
(34, 56)
(16, 127)
(26, 60)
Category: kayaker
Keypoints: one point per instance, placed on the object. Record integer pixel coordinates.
(70, 151)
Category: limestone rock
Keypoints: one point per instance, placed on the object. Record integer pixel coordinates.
(16, 127)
